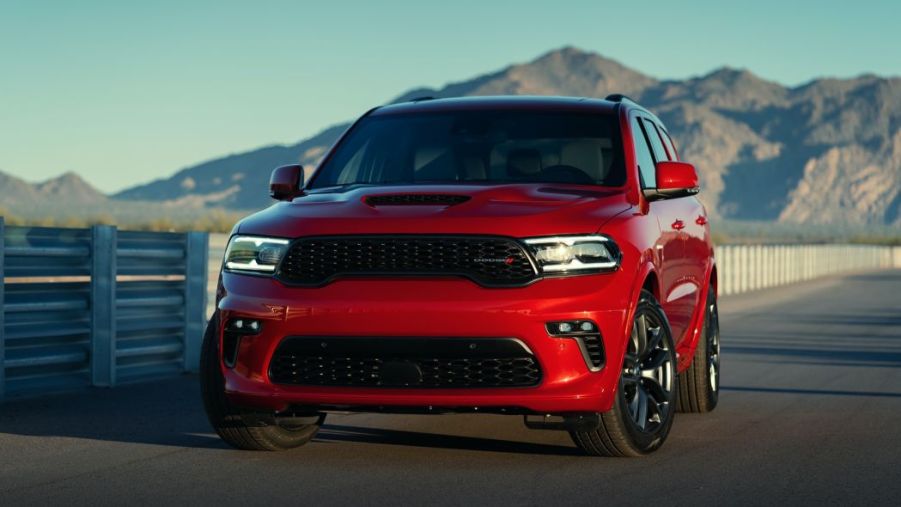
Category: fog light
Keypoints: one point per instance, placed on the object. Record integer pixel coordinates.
(584, 332)
(568, 328)
(244, 326)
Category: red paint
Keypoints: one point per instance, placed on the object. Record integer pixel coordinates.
(679, 259)
(676, 175)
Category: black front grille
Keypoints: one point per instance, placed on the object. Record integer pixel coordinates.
(404, 362)
(490, 261)
(416, 199)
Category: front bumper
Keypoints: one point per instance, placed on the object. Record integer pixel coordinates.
(430, 308)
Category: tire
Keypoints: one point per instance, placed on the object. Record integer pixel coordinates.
(241, 429)
(699, 385)
(648, 380)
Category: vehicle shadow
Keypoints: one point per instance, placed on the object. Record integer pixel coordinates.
(170, 413)
(167, 412)
(344, 433)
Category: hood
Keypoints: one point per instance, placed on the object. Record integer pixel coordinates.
(517, 210)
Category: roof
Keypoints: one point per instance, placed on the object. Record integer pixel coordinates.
(515, 103)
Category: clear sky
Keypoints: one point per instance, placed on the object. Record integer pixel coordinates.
(123, 92)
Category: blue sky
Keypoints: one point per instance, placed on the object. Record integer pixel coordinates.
(124, 92)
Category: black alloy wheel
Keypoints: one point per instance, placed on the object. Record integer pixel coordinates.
(699, 385)
(648, 374)
(643, 411)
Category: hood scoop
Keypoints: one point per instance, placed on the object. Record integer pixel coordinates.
(416, 200)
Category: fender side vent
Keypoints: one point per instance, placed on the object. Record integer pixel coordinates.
(416, 199)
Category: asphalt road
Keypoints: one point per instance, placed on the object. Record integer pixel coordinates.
(809, 414)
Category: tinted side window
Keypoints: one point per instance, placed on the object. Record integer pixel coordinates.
(643, 157)
(654, 137)
(668, 142)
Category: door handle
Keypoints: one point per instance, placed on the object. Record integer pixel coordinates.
(678, 225)
(701, 220)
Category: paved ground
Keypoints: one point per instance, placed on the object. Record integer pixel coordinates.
(809, 414)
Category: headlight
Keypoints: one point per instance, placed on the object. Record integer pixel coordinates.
(563, 254)
(254, 254)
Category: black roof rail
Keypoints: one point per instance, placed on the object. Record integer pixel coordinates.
(618, 97)
(420, 99)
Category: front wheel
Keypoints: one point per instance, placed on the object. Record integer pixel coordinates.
(699, 385)
(246, 430)
(642, 413)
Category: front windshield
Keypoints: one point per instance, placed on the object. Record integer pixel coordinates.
(478, 147)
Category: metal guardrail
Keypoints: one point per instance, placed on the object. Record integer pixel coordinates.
(98, 306)
(743, 268)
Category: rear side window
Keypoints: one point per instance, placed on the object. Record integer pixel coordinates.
(668, 142)
(643, 156)
(654, 137)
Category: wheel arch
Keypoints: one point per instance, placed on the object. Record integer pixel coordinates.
(652, 284)
(645, 279)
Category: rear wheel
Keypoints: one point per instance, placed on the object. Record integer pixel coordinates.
(246, 429)
(642, 413)
(699, 385)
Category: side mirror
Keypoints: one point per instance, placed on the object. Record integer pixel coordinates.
(285, 182)
(674, 179)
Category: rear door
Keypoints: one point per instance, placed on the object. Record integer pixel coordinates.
(678, 294)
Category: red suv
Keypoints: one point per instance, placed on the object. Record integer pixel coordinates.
(544, 257)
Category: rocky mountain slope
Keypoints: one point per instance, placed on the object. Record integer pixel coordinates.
(69, 188)
(824, 152)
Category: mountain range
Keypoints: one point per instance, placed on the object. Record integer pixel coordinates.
(18, 195)
(825, 152)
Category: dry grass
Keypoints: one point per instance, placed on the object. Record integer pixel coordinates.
(212, 221)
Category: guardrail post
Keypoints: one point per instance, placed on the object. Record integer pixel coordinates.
(728, 271)
(724, 269)
(805, 259)
(780, 264)
(795, 273)
(2, 313)
(103, 305)
(759, 267)
(196, 254)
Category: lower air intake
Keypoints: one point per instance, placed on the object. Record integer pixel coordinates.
(404, 362)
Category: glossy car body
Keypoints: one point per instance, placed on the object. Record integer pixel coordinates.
(665, 247)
